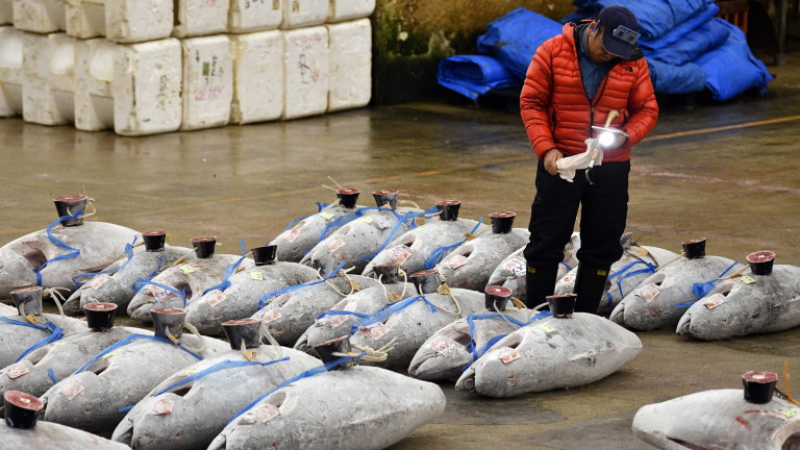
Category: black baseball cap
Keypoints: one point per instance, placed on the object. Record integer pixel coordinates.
(620, 31)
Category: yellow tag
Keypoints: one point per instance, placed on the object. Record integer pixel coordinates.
(420, 221)
(642, 251)
(518, 303)
(394, 297)
(327, 215)
(443, 289)
(791, 412)
(367, 219)
(469, 236)
(354, 286)
(187, 269)
(547, 328)
(109, 355)
(258, 276)
(187, 371)
(748, 280)
(57, 343)
(276, 4)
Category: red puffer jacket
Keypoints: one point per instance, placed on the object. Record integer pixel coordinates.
(557, 112)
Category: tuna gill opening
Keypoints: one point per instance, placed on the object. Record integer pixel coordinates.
(657, 278)
(793, 443)
(688, 445)
(37, 355)
(98, 366)
(35, 257)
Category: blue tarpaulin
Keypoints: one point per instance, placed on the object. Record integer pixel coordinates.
(475, 75)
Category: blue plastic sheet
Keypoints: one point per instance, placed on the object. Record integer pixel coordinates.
(474, 75)
(681, 32)
(669, 79)
(709, 36)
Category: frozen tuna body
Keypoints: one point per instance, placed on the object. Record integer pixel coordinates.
(549, 354)
(360, 407)
(52, 436)
(17, 335)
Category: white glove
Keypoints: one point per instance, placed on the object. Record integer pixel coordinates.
(593, 156)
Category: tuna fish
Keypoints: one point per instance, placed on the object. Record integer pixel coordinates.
(178, 286)
(552, 353)
(471, 265)
(7, 310)
(764, 301)
(423, 247)
(240, 298)
(115, 284)
(356, 408)
(355, 243)
(289, 314)
(21, 430)
(121, 375)
(662, 298)
(193, 406)
(719, 419)
(510, 273)
(635, 266)
(343, 315)
(303, 234)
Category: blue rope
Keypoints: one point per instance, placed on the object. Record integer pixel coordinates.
(471, 321)
(56, 333)
(52, 375)
(74, 252)
(401, 220)
(128, 252)
(229, 271)
(320, 207)
(390, 309)
(624, 274)
(342, 313)
(220, 366)
(127, 341)
(306, 374)
(440, 252)
(567, 266)
(700, 290)
(141, 282)
(282, 291)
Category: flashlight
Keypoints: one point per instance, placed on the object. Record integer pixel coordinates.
(606, 139)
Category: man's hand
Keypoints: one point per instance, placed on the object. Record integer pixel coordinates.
(550, 159)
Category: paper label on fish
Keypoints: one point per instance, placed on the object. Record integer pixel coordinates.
(291, 235)
(163, 406)
(457, 261)
(516, 267)
(257, 276)
(161, 295)
(399, 255)
(71, 389)
(110, 354)
(367, 219)
(508, 355)
(327, 215)
(335, 243)
(215, 298)
(647, 293)
(187, 269)
(714, 301)
(443, 346)
(547, 328)
(379, 331)
(271, 314)
(98, 281)
(748, 280)
(791, 412)
(15, 371)
(266, 412)
(336, 321)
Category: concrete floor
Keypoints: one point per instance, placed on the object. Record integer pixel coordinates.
(727, 172)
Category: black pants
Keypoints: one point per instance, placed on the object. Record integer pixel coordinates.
(604, 210)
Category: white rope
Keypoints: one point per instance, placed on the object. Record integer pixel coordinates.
(372, 355)
(196, 332)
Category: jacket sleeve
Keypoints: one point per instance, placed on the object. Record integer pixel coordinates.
(535, 99)
(642, 106)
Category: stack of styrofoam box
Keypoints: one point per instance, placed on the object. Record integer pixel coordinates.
(152, 66)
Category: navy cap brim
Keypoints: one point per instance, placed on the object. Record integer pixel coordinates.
(617, 47)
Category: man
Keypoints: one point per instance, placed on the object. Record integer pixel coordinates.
(574, 81)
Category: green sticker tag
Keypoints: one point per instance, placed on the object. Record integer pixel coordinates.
(258, 276)
(56, 344)
(547, 328)
(186, 371)
(327, 215)
(187, 269)
(109, 355)
(748, 280)
(367, 219)
(791, 412)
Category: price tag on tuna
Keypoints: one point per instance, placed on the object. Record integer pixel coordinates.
(547, 328)
(257, 276)
(327, 215)
(187, 269)
(748, 280)
(714, 301)
(509, 356)
(367, 219)
(647, 293)
(791, 412)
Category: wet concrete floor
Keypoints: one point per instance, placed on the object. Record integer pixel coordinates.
(727, 172)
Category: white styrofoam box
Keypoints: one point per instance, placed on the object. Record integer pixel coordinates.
(207, 82)
(11, 72)
(306, 65)
(48, 87)
(200, 17)
(258, 77)
(94, 72)
(6, 12)
(304, 13)
(351, 64)
(122, 21)
(146, 87)
(247, 16)
(40, 16)
(343, 10)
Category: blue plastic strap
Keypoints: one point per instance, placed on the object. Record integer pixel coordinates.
(141, 282)
(128, 252)
(440, 252)
(56, 334)
(296, 287)
(342, 313)
(700, 290)
(229, 271)
(24, 324)
(74, 252)
(127, 341)
(408, 217)
(494, 340)
(220, 366)
(309, 373)
(624, 274)
(126, 409)
(569, 268)
(52, 375)
(390, 309)
(320, 207)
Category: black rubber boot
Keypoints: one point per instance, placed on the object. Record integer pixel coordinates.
(540, 282)
(590, 284)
